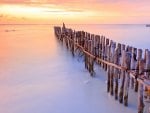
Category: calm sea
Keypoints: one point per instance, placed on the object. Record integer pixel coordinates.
(38, 75)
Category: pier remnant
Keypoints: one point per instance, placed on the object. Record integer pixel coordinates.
(122, 63)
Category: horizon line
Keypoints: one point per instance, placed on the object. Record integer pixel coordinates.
(80, 24)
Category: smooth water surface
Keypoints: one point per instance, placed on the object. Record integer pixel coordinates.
(38, 75)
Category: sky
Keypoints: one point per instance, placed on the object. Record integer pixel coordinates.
(74, 11)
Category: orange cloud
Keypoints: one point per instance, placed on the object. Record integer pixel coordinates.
(77, 11)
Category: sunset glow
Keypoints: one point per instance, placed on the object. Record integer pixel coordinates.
(75, 56)
(91, 12)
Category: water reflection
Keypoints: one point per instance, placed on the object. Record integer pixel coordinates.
(24, 54)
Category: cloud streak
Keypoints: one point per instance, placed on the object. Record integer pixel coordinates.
(91, 10)
(74, 1)
(62, 11)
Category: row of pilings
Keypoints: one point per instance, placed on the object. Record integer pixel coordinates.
(127, 64)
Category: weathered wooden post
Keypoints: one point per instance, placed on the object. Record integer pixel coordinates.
(145, 54)
(80, 39)
(119, 55)
(65, 35)
(73, 43)
(97, 45)
(88, 59)
(112, 52)
(103, 50)
(68, 38)
(92, 52)
(108, 69)
(93, 45)
(141, 88)
(77, 37)
(133, 64)
(88, 49)
(100, 49)
(96, 41)
(85, 55)
(91, 61)
(147, 65)
(127, 64)
(147, 76)
(105, 56)
(116, 71)
(136, 76)
(63, 32)
(122, 74)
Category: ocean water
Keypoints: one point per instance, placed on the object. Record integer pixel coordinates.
(38, 74)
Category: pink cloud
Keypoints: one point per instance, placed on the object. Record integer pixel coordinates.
(75, 1)
(128, 10)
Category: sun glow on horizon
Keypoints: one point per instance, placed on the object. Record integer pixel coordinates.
(41, 13)
(20, 10)
(74, 12)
